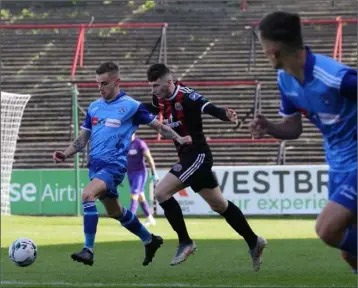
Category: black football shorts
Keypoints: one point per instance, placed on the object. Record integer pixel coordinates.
(194, 170)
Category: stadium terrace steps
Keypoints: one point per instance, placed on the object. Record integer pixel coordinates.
(205, 42)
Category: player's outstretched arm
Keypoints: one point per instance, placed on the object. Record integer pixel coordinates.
(78, 144)
(169, 133)
(224, 114)
(288, 129)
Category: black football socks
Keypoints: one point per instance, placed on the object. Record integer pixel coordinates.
(237, 221)
(175, 217)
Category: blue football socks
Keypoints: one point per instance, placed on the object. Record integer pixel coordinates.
(131, 223)
(90, 221)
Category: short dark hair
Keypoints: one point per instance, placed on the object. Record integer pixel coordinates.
(282, 27)
(157, 71)
(107, 67)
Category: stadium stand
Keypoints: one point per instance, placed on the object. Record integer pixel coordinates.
(212, 44)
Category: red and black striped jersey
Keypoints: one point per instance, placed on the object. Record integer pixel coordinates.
(182, 112)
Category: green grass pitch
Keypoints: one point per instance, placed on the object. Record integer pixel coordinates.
(294, 256)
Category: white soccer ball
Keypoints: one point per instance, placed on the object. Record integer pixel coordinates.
(23, 252)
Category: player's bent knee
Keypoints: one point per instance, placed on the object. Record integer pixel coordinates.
(141, 197)
(159, 195)
(332, 223)
(135, 197)
(114, 211)
(87, 195)
(219, 207)
(167, 187)
(96, 188)
(114, 214)
(113, 208)
(327, 234)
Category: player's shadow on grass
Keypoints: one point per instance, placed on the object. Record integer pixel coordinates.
(288, 262)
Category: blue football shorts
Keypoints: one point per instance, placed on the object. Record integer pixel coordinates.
(111, 175)
(342, 189)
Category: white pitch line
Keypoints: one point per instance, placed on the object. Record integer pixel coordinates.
(163, 285)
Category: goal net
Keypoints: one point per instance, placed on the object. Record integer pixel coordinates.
(12, 109)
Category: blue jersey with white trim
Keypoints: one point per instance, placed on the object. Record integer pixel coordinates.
(320, 99)
(112, 125)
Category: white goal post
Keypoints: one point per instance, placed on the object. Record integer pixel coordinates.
(12, 109)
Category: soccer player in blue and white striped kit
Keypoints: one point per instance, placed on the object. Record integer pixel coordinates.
(109, 125)
(324, 91)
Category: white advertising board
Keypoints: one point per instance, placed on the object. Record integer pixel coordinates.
(263, 190)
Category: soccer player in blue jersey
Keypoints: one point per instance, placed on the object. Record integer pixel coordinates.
(324, 91)
(109, 125)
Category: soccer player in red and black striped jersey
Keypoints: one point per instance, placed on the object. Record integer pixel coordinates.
(181, 108)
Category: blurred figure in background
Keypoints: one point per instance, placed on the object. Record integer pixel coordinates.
(137, 176)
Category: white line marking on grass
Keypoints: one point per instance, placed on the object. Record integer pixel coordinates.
(163, 285)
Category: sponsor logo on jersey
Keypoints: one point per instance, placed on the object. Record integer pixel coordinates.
(194, 96)
(291, 94)
(112, 123)
(169, 122)
(133, 152)
(178, 106)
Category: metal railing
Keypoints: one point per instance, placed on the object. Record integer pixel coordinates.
(337, 49)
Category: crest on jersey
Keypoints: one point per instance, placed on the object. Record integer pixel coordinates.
(325, 99)
(178, 106)
(177, 167)
(94, 121)
(122, 109)
(194, 96)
